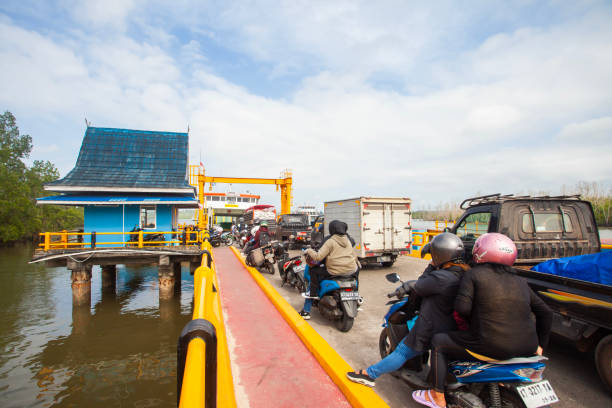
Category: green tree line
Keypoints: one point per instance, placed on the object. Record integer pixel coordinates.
(20, 185)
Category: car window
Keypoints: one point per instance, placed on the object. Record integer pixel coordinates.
(547, 222)
(473, 226)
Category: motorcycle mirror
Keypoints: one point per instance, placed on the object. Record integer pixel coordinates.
(392, 277)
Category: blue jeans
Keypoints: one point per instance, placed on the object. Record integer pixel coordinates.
(393, 361)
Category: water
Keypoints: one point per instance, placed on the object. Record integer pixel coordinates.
(119, 352)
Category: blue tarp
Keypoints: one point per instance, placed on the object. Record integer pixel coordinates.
(596, 268)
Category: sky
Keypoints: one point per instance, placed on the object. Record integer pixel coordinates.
(437, 101)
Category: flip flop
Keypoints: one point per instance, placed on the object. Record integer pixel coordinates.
(419, 396)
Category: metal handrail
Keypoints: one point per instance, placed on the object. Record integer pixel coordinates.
(207, 352)
(47, 241)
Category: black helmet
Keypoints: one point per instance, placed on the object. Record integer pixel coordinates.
(443, 248)
(337, 227)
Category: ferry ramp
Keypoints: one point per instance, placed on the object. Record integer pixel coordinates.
(277, 359)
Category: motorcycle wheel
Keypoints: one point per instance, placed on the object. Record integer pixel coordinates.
(509, 399)
(301, 285)
(345, 323)
(384, 344)
(281, 271)
(270, 268)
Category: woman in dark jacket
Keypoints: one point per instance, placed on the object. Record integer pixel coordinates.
(500, 308)
(437, 287)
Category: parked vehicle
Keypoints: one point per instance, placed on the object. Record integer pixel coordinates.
(149, 239)
(517, 382)
(381, 227)
(227, 238)
(264, 257)
(215, 239)
(338, 298)
(262, 212)
(316, 234)
(293, 229)
(545, 228)
(291, 271)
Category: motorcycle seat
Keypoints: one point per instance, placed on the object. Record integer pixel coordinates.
(515, 360)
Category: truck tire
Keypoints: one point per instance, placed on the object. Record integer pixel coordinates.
(603, 361)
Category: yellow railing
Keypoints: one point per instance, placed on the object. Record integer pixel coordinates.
(207, 308)
(65, 239)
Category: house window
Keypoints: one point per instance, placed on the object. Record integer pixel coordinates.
(148, 215)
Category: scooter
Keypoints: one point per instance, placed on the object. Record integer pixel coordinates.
(291, 272)
(227, 238)
(517, 382)
(338, 298)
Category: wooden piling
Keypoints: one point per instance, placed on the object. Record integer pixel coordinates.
(81, 283)
(109, 277)
(166, 277)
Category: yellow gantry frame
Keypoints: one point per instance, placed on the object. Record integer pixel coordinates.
(284, 183)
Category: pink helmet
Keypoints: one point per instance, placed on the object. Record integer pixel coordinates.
(495, 248)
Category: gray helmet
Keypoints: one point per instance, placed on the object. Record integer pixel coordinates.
(443, 248)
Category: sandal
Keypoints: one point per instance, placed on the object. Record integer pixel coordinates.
(419, 396)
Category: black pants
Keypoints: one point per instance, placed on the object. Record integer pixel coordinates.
(316, 276)
(319, 274)
(443, 349)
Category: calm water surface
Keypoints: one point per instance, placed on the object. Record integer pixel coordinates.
(120, 352)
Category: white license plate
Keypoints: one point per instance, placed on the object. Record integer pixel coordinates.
(537, 394)
(384, 258)
(299, 268)
(349, 295)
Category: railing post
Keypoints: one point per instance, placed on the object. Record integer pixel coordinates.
(202, 329)
(65, 238)
(47, 240)
(140, 239)
(93, 239)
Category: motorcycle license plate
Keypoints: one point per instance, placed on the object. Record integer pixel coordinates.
(349, 295)
(537, 394)
(299, 268)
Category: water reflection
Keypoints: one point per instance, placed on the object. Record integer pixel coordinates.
(120, 351)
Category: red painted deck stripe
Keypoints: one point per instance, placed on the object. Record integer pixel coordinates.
(275, 368)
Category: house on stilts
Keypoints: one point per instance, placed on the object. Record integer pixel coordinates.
(127, 179)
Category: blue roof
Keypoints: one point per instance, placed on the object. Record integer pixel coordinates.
(125, 159)
(185, 200)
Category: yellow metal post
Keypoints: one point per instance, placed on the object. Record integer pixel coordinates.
(140, 239)
(47, 240)
(202, 221)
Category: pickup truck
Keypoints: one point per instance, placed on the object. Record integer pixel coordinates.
(293, 229)
(545, 228)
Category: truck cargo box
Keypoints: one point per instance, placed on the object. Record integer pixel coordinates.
(380, 226)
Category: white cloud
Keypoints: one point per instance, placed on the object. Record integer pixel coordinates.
(522, 110)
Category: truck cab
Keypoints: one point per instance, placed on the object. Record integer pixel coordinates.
(541, 227)
(293, 229)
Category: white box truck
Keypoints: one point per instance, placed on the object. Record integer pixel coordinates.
(381, 227)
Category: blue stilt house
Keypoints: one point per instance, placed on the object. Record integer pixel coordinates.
(128, 178)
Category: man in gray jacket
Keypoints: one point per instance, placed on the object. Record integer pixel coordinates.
(337, 254)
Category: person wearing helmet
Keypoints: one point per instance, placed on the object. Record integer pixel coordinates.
(499, 307)
(436, 288)
(262, 236)
(337, 254)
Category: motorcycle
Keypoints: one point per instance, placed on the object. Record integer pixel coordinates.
(148, 239)
(215, 239)
(517, 382)
(338, 298)
(291, 271)
(227, 238)
(264, 257)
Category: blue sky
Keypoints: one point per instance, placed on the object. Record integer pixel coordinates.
(435, 101)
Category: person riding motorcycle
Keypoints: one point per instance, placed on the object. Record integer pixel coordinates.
(499, 307)
(436, 289)
(262, 236)
(337, 251)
